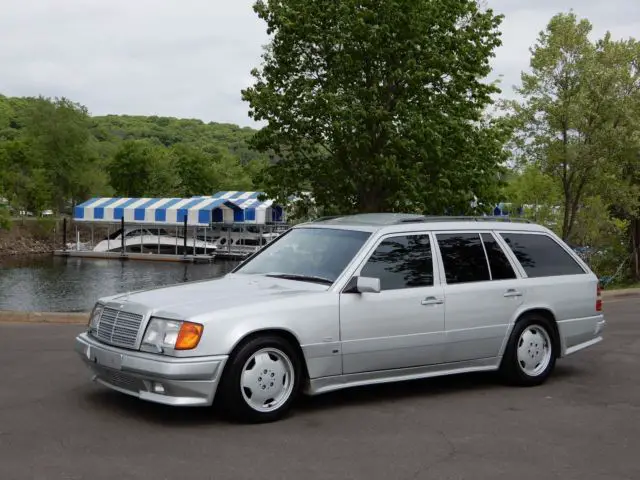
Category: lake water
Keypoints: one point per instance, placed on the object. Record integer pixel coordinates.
(56, 284)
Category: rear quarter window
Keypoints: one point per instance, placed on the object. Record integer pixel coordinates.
(541, 256)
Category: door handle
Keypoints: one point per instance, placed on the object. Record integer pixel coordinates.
(512, 293)
(432, 301)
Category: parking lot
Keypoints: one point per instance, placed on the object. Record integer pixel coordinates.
(583, 424)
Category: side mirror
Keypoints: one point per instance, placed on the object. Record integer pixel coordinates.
(367, 285)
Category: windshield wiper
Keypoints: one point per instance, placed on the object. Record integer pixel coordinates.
(302, 278)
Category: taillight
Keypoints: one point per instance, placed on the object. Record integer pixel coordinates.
(599, 299)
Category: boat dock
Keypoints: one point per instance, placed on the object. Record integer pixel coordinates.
(226, 226)
(155, 257)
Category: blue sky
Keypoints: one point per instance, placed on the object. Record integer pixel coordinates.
(191, 58)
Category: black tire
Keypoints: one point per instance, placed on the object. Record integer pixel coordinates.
(232, 400)
(512, 369)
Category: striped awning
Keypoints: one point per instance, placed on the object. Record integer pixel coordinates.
(199, 211)
(254, 210)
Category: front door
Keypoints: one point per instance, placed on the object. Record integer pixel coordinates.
(403, 325)
(482, 295)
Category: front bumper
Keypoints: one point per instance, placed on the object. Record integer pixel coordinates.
(167, 380)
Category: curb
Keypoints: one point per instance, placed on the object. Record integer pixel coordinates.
(622, 293)
(44, 317)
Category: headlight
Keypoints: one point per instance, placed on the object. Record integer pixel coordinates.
(172, 334)
(94, 319)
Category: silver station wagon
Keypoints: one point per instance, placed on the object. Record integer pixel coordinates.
(349, 301)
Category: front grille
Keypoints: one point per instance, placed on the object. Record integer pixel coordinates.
(119, 328)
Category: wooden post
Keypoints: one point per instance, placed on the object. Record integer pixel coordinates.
(64, 234)
(185, 236)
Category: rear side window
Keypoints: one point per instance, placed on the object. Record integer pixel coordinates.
(541, 256)
(401, 262)
(500, 267)
(463, 257)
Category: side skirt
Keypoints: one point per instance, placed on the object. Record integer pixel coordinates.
(317, 386)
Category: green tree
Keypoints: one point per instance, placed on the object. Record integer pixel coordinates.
(56, 134)
(164, 180)
(230, 174)
(140, 168)
(53, 152)
(24, 182)
(378, 104)
(5, 218)
(195, 170)
(109, 131)
(131, 168)
(537, 193)
(574, 122)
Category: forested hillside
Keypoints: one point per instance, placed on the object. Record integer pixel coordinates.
(170, 131)
(53, 154)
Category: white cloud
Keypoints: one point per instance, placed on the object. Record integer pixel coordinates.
(191, 58)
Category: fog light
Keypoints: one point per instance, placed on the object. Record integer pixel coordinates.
(158, 388)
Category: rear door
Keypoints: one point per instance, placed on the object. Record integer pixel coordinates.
(402, 325)
(557, 280)
(482, 294)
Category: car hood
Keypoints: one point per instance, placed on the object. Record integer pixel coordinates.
(191, 299)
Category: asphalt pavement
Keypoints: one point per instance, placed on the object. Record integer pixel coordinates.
(583, 424)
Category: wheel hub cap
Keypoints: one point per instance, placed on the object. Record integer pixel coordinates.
(267, 380)
(534, 350)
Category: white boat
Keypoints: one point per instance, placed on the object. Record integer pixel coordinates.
(240, 239)
(154, 240)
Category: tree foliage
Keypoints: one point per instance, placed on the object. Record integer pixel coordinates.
(5, 218)
(577, 119)
(378, 105)
(535, 192)
(57, 143)
(53, 154)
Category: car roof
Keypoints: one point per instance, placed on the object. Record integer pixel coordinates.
(401, 222)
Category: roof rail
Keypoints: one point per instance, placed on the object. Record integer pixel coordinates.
(482, 218)
(322, 219)
(416, 218)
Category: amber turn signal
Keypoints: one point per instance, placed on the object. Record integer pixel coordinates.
(189, 336)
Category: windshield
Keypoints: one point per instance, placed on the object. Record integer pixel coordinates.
(319, 253)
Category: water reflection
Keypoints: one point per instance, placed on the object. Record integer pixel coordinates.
(56, 284)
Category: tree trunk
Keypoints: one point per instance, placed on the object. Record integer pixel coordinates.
(635, 237)
(566, 220)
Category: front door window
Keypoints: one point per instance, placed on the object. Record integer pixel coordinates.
(401, 262)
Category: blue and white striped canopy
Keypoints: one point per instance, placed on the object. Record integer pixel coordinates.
(200, 211)
(254, 210)
(223, 207)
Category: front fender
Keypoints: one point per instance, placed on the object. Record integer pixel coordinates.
(312, 320)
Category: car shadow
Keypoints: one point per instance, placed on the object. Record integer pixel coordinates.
(111, 402)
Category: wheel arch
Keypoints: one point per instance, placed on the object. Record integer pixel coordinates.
(283, 333)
